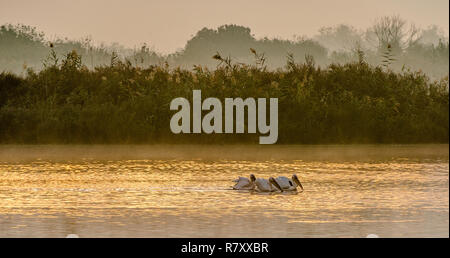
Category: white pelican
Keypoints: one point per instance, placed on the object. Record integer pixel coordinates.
(264, 185)
(243, 183)
(289, 185)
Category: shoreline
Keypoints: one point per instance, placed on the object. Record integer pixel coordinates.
(329, 153)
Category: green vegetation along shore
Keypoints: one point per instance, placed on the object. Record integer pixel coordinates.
(124, 103)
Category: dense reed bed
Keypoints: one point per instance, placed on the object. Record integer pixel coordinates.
(124, 103)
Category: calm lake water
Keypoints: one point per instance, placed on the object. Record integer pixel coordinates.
(184, 191)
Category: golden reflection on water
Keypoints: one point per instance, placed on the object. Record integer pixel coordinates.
(402, 195)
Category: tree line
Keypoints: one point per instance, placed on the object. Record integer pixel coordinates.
(123, 102)
(390, 41)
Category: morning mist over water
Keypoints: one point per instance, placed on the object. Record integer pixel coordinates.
(123, 191)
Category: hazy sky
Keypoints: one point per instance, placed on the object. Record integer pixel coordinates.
(167, 25)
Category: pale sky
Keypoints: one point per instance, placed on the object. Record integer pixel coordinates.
(166, 25)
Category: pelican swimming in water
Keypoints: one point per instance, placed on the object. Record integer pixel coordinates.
(264, 185)
(289, 185)
(243, 183)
